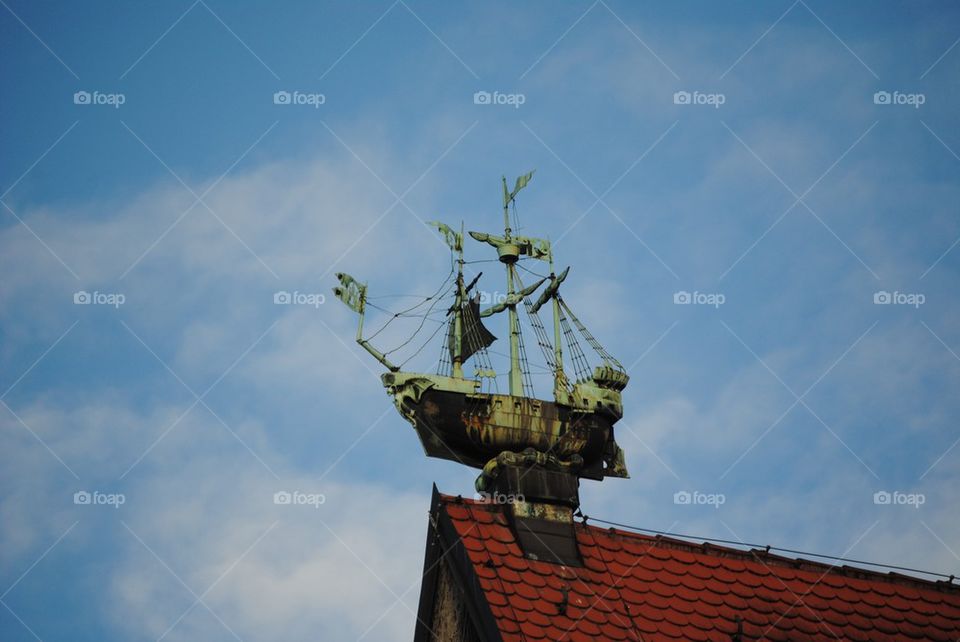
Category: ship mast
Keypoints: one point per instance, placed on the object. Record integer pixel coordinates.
(559, 379)
(509, 253)
(458, 314)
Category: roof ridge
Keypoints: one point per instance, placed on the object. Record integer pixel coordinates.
(798, 563)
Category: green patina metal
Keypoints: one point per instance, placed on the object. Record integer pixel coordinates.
(456, 420)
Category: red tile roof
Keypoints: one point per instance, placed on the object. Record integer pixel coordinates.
(639, 587)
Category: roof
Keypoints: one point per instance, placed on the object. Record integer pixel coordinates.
(640, 587)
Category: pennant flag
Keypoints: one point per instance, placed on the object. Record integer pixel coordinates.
(522, 182)
(453, 239)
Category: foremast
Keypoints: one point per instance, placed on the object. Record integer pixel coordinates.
(461, 295)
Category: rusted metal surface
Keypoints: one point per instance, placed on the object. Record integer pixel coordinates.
(474, 428)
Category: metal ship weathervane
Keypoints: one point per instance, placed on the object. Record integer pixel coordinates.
(459, 412)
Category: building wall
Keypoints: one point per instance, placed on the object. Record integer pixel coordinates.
(451, 622)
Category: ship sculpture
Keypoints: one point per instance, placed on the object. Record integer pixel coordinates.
(464, 417)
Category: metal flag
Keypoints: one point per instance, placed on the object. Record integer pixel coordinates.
(453, 239)
(522, 182)
(351, 292)
(475, 334)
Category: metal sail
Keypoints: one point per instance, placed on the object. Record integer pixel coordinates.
(475, 335)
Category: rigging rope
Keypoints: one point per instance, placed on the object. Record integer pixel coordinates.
(543, 369)
(442, 288)
(536, 274)
(444, 366)
(599, 349)
(422, 346)
(580, 365)
(543, 340)
(524, 366)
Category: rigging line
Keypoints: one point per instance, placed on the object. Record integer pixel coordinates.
(539, 331)
(578, 358)
(442, 288)
(599, 349)
(545, 369)
(444, 366)
(422, 346)
(429, 315)
(443, 285)
(537, 274)
(525, 367)
(417, 331)
(396, 296)
(769, 548)
(532, 374)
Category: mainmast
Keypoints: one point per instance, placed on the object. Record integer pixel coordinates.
(509, 254)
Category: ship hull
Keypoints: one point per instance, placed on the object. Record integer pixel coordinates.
(473, 428)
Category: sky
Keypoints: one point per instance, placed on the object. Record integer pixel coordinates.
(758, 202)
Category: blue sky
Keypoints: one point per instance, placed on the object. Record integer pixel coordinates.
(788, 185)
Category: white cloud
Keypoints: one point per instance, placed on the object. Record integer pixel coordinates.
(328, 571)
